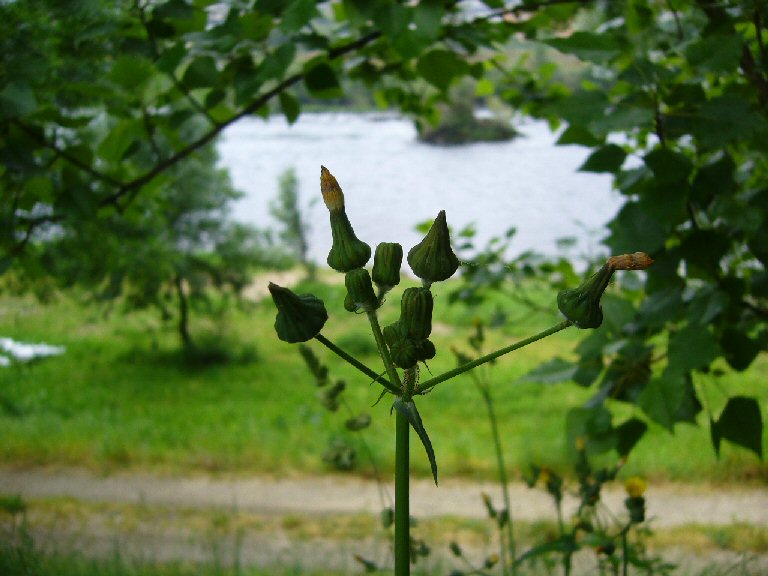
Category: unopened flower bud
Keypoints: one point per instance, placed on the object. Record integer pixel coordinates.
(331, 191)
(360, 289)
(416, 313)
(425, 350)
(433, 259)
(347, 252)
(386, 265)
(582, 305)
(403, 353)
(299, 317)
(636, 261)
(492, 560)
(636, 508)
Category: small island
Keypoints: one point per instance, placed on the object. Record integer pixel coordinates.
(459, 124)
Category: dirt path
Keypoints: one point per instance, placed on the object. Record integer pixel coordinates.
(667, 505)
(311, 523)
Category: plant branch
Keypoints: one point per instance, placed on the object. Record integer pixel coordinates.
(424, 386)
(357, 364)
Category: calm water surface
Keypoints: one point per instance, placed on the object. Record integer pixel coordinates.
(392, 182)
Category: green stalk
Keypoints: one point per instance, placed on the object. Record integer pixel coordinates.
(384, 351)
(424, 386)
(402, 462)
(357, 364)
(510, 547)
(402, 498)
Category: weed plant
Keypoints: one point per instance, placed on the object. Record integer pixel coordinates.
(404, 345)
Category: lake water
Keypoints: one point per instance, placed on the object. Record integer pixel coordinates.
(391, 182)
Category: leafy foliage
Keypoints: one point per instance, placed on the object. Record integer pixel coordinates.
(100, 102)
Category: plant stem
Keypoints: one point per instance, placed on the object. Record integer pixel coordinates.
(384, 351)
(402, 497)
(624, 552)
(424, 386)
(357, 364)
(402, 461)
(485, 391)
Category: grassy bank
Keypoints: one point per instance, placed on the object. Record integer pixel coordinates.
(124, 396)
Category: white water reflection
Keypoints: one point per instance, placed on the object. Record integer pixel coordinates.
(392, 182)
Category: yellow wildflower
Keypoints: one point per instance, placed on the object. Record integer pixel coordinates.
(635, 486)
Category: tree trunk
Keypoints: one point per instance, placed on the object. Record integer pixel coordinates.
(186, 338)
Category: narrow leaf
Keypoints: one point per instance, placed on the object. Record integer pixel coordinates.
(408, 409)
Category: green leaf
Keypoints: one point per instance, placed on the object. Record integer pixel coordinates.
(592, 425)
(297, 14)
(551, 372)
(718, 53)
(321, 81)
(629, 434)
(578, 135)
(171, 58)
(408, 409)
(589, 46)
(608, 158)
(661, 307)
(694, 347)
(117, 142)
(290, 106)
(703, 250)
(580, 108)
(131, 72)
(662, 397)
(739, 349)
(440, 67)
(741, 423)
(201, 73)
(563, 545)
(17, 100)
(668, 166)
(727, 119)
(633, 229)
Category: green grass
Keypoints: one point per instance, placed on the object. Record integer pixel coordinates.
(124, 396)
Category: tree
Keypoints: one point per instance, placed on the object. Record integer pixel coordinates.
(286, 209)
(685, 86)
(176, 243)
(679, 86)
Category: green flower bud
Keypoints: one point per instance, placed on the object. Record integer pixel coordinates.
(416, 313)
(403, 353)
(347, 252)
(386, 265)
(393, 333)
(360, 289)
(425, 350)
(349, 304)
(582, 305)
(636, 507)
(299, 317)
(433, 259)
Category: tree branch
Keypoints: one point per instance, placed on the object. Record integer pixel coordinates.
(87, 168)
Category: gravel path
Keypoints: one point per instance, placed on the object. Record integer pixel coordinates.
(669, 505)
